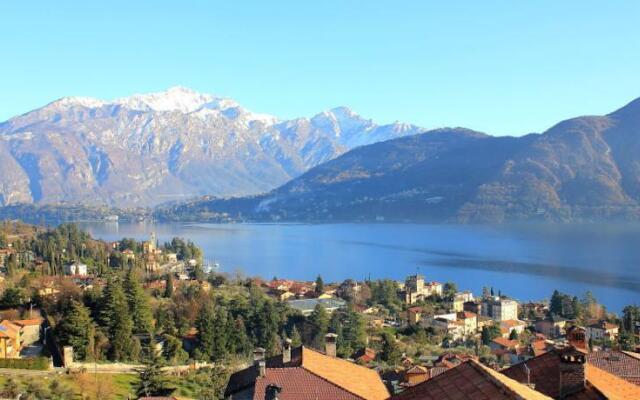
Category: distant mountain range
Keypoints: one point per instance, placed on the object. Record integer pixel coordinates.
(148, 149)
(586, 168)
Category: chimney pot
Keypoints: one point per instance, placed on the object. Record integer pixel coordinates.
(286, 351)
(330, 344)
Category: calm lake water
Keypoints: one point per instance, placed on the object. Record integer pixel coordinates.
(526, 261)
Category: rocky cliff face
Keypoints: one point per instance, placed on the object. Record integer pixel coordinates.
(149, 149)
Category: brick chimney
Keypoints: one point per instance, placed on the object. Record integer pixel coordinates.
(259, 361)
(286, 351)
(330, 344)
(572, 375)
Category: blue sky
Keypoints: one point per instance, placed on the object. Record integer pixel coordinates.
(503, 67)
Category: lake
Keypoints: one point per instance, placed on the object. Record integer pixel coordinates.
(526, 262)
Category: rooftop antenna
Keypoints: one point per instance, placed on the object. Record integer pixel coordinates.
(528, 371)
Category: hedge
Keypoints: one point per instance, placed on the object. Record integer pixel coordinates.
(41, 363)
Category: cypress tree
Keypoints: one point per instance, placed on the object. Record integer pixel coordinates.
(168, 290)
(206, 331)
(319, 284)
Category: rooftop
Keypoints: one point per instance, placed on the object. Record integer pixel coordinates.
(305, 365)
(544, 372)
(470, 380)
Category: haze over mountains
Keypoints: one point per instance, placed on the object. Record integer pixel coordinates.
(173, 145)
(581, 169)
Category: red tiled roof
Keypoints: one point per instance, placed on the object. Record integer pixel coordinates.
(544, 372)
(361, 382)
(299, 384)
(469, 381)
(28, 322)
(617, 363)
(506, 342)
(467, 314)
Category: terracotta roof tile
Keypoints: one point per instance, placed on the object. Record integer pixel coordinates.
(544, 372)
(361, 382)
(470, 380)
(299, 384)
(621, 364)
(28, 322)
(506, 342)
(610, 385)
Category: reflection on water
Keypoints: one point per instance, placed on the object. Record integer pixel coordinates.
(525, 261)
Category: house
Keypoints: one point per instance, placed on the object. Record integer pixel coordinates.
(601, 330)
(533, 310)
(9, 340)
(281, 295)
(171, 257)
(472, 306)
(577, 336)
(75, 268)
(306, 306)
(511, 325)
(30, 330)
(501, 343)
(414, 315)
(451, 327)
(470, 321)
(304, 374)
(552, 327)
(566, 374)
(364, 356)
(470, 381)
(459, 299)
(415, 289)
(415, 375)
(500, 308)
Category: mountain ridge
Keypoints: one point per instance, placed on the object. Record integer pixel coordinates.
(177, 144)
(582, 168)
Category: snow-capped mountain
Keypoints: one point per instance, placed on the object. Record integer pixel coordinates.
(151, 148)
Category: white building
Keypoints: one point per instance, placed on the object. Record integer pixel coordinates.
(500, 309)
(75, 268)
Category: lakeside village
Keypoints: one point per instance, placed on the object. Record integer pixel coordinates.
(97, 320)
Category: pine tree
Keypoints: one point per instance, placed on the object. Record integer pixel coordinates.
(318, 323)
(151, 380)
(117, 321)
(77, 330)
(555, 305)
(138, 304)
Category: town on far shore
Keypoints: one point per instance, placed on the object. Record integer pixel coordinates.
(94, 319)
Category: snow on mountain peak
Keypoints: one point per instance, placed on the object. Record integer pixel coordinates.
(177, 98)
(88, 102)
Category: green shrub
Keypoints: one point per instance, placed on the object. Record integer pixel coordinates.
(40, 363)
